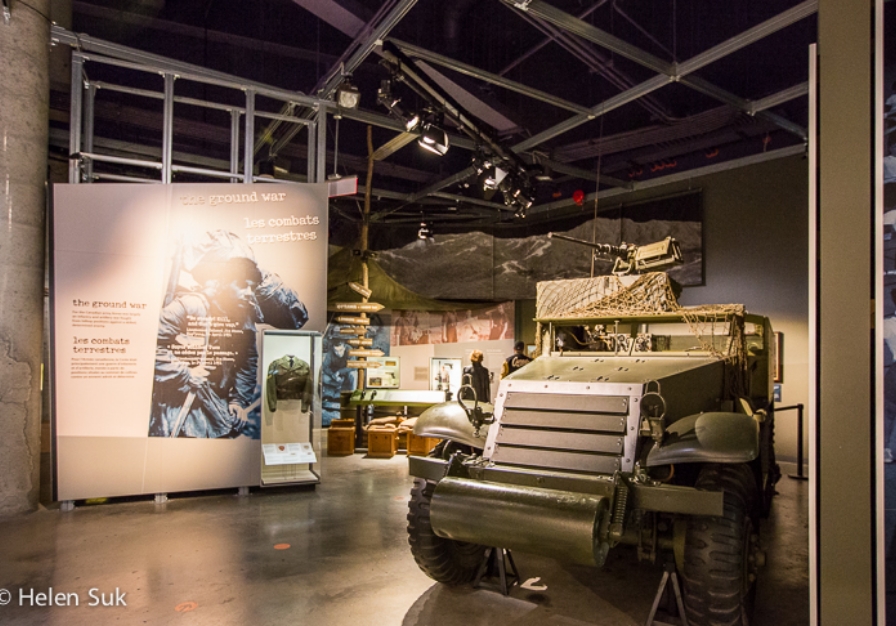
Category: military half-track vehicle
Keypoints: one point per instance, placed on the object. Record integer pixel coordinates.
(640, 422)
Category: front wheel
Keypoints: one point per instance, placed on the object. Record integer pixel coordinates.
(444, 560)
(720, 552)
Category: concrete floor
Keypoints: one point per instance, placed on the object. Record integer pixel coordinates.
(214, 559)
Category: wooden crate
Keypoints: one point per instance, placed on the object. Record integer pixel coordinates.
(340, 441)
(420, 446)
(382, 444)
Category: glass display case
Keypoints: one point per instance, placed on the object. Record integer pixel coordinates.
(291, 407)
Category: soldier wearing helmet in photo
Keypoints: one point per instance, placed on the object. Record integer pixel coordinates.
(206, 368)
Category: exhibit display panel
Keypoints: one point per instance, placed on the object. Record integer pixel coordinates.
(445, 375)
(291, 424)
(385, 376)
(159, 296)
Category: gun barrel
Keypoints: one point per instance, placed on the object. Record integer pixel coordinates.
(599, 248)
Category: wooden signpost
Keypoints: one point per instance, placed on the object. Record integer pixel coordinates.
(357, 321)
(363, 364)
(353, 330)
(361, 289)
(366, 352)
(359, 307)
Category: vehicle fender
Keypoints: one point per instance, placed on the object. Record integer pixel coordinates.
(708, 438)
(448, 420)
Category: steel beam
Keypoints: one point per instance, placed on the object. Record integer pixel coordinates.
(320, 148)
(672, 178)
(548, 39)
(438, 186)
(366, 46)
(574, 25)
(115, 54)
(584, 174)
(89, 118)
(705, 87)
(249, 135)
(311, 168)
(596, 111)
(468, 70)
(235, 145)
(667, 71)
(74, 124)
(167, 126)
(792, 93)
(749, 36)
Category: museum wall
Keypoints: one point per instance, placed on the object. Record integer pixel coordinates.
(756, 253)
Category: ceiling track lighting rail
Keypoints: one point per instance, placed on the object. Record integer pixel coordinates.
(491, 155)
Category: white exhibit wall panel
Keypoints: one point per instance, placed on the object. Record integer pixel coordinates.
(160, 294)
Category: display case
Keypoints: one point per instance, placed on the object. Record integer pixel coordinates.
(445, 375)
(291, 407)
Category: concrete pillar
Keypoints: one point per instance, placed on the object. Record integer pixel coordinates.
(24, 128)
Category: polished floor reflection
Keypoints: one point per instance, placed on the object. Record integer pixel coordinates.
(333, 555)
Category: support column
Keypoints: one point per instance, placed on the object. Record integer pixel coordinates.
(24, 131)
(845, 476)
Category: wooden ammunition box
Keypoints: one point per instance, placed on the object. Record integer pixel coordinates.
(420, 446)
(382, 444)
(340, 441)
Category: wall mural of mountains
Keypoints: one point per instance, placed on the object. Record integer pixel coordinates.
(483, 266)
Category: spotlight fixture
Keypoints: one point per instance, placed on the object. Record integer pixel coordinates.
(412, 122)
(347, 95)
(493, 178)
(425, 231)
(434, 139)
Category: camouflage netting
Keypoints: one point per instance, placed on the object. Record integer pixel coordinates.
(605, 296)
(627, 296)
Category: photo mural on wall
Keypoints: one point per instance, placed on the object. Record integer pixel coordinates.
(424, 327)
(205, 381)
(336, 375)
(508, 265)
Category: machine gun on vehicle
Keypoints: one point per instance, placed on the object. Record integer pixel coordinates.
(631, 258)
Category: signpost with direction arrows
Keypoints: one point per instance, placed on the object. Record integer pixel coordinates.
(353, 330)
(363, 364)
(364, 352)
(359, 307)
(361, 289)
(357, 321)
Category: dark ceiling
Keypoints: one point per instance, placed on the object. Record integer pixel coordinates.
(621, 91)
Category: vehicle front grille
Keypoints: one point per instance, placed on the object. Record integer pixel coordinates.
(562, 432)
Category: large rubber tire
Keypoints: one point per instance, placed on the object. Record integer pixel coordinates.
(719, 554)
(444, 560)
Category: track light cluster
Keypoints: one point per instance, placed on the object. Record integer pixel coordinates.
(433, 137)
(495, 174)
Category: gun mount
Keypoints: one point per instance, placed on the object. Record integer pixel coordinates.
(631, 258)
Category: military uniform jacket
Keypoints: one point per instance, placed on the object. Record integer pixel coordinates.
(289, 378)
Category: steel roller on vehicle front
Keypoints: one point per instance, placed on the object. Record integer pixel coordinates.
(721, 554)
(444, 560)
